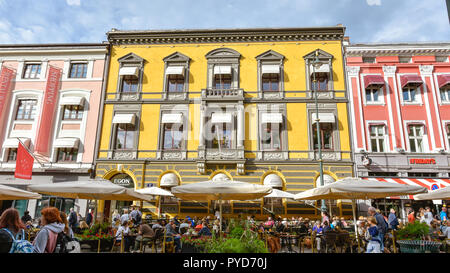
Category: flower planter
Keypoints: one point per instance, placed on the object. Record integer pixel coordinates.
(105, 244)
(418, 246)
(189, 248)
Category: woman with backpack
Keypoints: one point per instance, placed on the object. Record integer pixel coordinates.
(52, 224)
(10, 226)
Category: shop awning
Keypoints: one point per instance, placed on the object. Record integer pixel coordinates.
(373, 80)
(124, 119)
(175, 70)
(172, 118)
(428, 183)
(272, 118)
(221, 118)
(66, 142)
(324, 68)
(129, 71)
(443, 80)
(72, 100)
(270, 69)
(410, 79)
(222, 69)
(273, 180)
(14, 142)
(323, 118)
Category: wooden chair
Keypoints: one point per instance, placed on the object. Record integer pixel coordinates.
(313, 241)
(118, 244)
(168, 246)
(158, 240)
(343, 241)
(330, 238)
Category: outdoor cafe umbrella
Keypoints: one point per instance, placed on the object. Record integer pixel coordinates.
(279, 194)
(11, 193)
(356, 188)
(155, 191)
(440, 194)
(220, 189)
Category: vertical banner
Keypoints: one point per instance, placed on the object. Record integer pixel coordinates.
(6, 77)
(24, 163)
(48, 111)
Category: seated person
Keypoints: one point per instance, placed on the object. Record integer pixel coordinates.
(269, 223)
(185, 225)
(145, 234)
(205, 231)
(171, 231)
(124, 230)
(158, 224)
(199, 226)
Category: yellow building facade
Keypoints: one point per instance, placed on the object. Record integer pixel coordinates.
(188, 106)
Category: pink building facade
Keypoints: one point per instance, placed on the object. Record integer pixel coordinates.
(400, 103)
(50, 99)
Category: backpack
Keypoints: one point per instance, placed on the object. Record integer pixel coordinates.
(20, 246)
(65, 244)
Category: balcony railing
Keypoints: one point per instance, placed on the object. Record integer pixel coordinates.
(222, 93)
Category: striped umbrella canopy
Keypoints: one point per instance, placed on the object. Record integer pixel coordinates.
(440, 194)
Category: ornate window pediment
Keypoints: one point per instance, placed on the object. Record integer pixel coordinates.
(270, 55)
(270, 75)
(322, 55)
(177, 57)
(131, 58)
(221, 53)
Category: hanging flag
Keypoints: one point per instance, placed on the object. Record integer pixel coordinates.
(24, 163)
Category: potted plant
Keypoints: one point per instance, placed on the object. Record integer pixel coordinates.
(411, 239)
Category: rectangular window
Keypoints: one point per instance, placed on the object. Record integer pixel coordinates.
(448, 132)
(78, 70)
(173, 136)
(222, 81)
(445, 94)
(373, 94)
(12, 154)
(383, 174)
(415, 136)
(271, 82)
(321, 82)
(326, 135)
(369, 60)
(129, 83)
(377, 138)
(125, 136)
(404, 59)
(422, 174)
(441, 59)
(410, 94)
(73, 112)
(175, 83)
(67, 155)
(31, 71)
(270, 136)
(26, 110)
(221, 136)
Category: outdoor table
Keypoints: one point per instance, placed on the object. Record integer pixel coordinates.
(285, 237)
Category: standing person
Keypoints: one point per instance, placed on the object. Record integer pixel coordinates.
(125, 216)
(382, 225)
(427, 216)
(89, 218)
(67, 229)
(411, 217)
(26, 217)
(374, 243)
(443, 214)
(9, 220)
(73, 219)
(392, 220)
(325, 217)
(52, 224)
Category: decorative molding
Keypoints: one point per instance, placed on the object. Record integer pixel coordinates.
(389, 69)
(353, 70)
(124, 155)
(426, 69)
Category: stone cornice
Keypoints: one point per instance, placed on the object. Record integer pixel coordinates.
(118, 37)
(398, 49)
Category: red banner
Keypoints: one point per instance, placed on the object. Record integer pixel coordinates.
(48, 111)
(6, 77)
(24, 163)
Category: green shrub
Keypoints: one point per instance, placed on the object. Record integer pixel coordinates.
(413, 231)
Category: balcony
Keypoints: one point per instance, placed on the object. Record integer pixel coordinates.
(232, 94)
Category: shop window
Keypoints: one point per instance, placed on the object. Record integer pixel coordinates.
(415, 135)
(73, 112)
(173, 136)
(377, 138)
(383, 174)
(125, 136)
(26, 110)
(31, 71)
(431, 175)
(78, 70)
(326, 135)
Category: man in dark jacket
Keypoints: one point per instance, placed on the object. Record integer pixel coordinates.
(382, 225)
(73, 219)
(392, 220)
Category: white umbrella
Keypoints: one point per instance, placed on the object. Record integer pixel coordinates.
(11, 193)
(279, 194)
(356, 188)
(440, 194)
(221, 189)
(155, 191)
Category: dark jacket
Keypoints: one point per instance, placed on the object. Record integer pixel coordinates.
(382, 226)
(73, 218)
(373, 231)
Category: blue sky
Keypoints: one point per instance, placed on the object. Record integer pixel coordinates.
(366, 21)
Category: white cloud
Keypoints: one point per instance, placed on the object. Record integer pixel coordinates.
(73, 2)
(373, 2)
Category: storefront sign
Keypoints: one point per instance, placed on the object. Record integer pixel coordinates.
(123, 180)
(49, 103)
(422, 161)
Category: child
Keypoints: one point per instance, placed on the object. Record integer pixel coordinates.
(374, 245)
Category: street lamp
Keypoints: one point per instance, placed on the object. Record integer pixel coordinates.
(316, 64)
